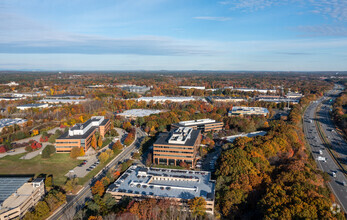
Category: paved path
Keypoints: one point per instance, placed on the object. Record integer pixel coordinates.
(68, 210)
(82, 171)
(22, 149)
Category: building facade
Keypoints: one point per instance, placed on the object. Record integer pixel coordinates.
(179, 145)
(177, 185)
(23, 199)
(205, 125)
(242, 110)
(81, 135)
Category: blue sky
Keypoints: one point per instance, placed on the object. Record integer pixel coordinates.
(284, 35)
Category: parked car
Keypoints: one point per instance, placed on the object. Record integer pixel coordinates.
(334, 174)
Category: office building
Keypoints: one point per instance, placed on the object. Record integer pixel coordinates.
(81, 135)
(241, 111)
(205, 125)
(65, 96)
(17, 196)
(135, 113)
(163, 99)
(137, 89)
(29, 106)
(179, 145)
(192, 87)
(224, 99)
(177, 185)
(255, 90)
(294, 95)
(4, 122)
(62, 101)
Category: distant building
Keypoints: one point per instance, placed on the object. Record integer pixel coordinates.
(4, 122)
(65, 96)
(255, 90)
(17, 196)
(177, 185)
(250, 135)
(30, 106)
(137, 89)
(10, 98)
(294, 95)
(179, 145)
(134, 113)
(277, 99)
(96, 86)
(165, 98)
(192, 87)
(11, 84)
(205, 125)
(218, 99)
(63, 101)
(241, 111)
(81, 135)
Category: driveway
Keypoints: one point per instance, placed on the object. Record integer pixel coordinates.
(22, 149)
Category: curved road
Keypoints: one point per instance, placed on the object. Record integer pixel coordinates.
(67, 211)
(319, 148)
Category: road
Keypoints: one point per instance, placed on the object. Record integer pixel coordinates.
(68, 211)
(317, 144)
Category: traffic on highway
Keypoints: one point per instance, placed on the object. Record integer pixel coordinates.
(321, 135)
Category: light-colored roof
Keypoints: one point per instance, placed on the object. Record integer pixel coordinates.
(252, 134)
(11, 121)
(139, 112)
(170, 183)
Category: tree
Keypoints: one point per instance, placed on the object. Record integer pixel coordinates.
(197, 206)
(105, 181)
(98, 188)
(42, 210)
(82, 153)
(75, 152)
(117, 146)
(48, 181)
(100, 142)
(93, 142)
(71, 184)
(103, 157)
(48, 151)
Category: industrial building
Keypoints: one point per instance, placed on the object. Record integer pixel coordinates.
(135, 113)
(30, 106)
(177, 185)
(63, 101)
(81, 135)
(224, 99)
(137, 89)
(242, 110)
(17, 196)
(4, 122)
(65, 96)
(205, 125)
(294, 95)
(255, 90)
(163, 99)
(192, 87)
(179, 145)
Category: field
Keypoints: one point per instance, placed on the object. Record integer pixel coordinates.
(58, 165)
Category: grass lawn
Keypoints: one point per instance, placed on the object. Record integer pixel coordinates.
(58, 165)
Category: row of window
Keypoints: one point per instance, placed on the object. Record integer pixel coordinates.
(175, 152)
(163, 155)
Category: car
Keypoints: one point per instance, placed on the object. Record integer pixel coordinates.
(97, 162)
(334, 174)
(11, 151)
(80, 165)
(92, 166)
(88, 169)
(344, 183)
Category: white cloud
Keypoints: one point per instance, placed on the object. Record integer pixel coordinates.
(323, 30)
(213, 18)
(334, 8)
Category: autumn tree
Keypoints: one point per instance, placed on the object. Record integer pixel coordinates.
(93, 142)
(117, 146)
(100, 142)
(197, 206)
(75, 152)
(98, 188)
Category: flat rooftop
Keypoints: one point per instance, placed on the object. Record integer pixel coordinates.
(11, 121)
(246, 110)
(9, 185)
(139, 112)
(169, 183)
(164, 138)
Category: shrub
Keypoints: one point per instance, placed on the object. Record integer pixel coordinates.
(2, 149)
(48, 151)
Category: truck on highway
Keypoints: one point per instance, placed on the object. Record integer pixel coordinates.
(320, 152)
(319, 158)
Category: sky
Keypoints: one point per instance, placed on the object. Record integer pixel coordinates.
(254, 35)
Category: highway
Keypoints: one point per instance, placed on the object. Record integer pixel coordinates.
(67, 211)
(318, 112)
